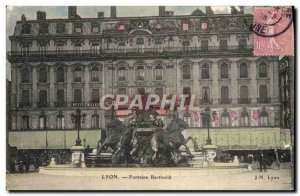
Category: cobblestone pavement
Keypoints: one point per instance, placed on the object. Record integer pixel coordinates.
(197, 179)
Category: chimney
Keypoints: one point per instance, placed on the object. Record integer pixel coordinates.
(113, 11)
(41, 15)
(100, 14)
(241, 9)
(209, 11)
(162, 11)
(72, 12)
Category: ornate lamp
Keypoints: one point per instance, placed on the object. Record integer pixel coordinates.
(78, 119)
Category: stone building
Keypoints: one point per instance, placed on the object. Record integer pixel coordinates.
(58, 65)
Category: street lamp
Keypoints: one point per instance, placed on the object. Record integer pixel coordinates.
(207, 113)
(78, 119)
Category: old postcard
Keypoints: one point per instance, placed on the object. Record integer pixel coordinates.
(150, 98)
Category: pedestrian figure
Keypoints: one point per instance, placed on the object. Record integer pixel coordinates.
(262, 162)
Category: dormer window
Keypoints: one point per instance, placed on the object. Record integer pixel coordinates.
(60, 28)
(95, 29)
(78, 28)
(204, 25)
(26, 28)
(43, 28)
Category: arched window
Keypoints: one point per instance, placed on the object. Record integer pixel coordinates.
(263, 70)
(225, 120)
(25, 122)
(60, 101)
(264, 120)
(244, 94)
(77, 96)
(25, 75)
(186, 72)
(43, 98)
(60, 75)
(224, 95)
(242, 44)
(244, 70)
(171, 42)
(95, 96)
(244, 118)
(95, 74)
(60, 121)
(43, 121)
(224, 71)
(43, 75)
(158, 72)
(263, 94)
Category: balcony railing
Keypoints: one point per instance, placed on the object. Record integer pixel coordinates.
(206, 101)
(244, 100)
(225, 101)
(24, 104)
(54, 53)
(42, 104)
(264, 100)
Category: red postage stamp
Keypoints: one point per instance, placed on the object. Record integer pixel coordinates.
(273, 31)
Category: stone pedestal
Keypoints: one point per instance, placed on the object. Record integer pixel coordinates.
(78, 158)
(210, 152)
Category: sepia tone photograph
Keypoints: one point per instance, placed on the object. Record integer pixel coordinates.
(150, 98)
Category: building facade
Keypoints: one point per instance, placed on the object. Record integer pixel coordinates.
(58, 65)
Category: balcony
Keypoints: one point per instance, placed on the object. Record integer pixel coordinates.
(42, 104)
(225, 101)
(24, 104)
(206, 101)
(264, 100)
(108, 52)
(244, 100)
(60, 104)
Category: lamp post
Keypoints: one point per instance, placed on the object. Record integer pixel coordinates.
(207, 113)
(78, 119)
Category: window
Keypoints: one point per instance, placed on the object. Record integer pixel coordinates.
(204, 45)
(171, 42)
(43, 28)
(243, 70)
(122, 74)
(25, 122)
(141, 91)
(95, 48)
(25, 50)
(225, 120)
(77, 49)
(42, 50)
(205, 95)
(224, 71)
(43, 98)
(60, 98)
(95, 74)
(43, 121)
(186, 90)
(263, 94)
(25, 75)
(149, 41)
(95, 96)
(224, 95)
(244, 94)
(158, 73)
(59, 49)
(60, 121)
(25, 101)
(122, 91)
(26, 28)
(263, 70)
(121, 27)
(187, 118)
(60, 28)
(95, 29)
(77, 74)
(43, 74)
(185, 43)
(77, 96)
(60, 74)
(244, 118)
(264, 121)
(223, 44)
(159, 91)
(139, 41)
(140, 73)
(78, 28)
(204, 26)
(242, 44)
(205, 71)
(186, 72)
(95, 121)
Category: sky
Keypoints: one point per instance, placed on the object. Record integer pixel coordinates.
(14, 13)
